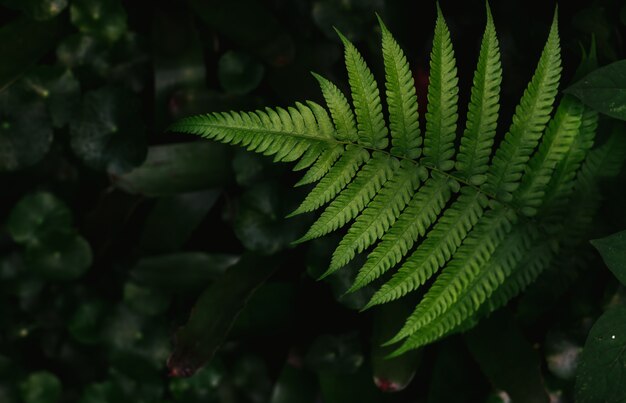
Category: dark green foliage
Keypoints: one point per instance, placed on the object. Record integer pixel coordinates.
(602, 362)
(112, 228)
(476, 222)
(604, 90)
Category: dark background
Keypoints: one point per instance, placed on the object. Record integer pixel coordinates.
(99, 328)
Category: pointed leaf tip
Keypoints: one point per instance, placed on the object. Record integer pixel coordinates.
(343, 38)
(383, 27)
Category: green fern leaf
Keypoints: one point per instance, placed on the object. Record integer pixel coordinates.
(372, 131)
(554, 147)
(334, 181)
(476, 250)
(441, 243)
(480, 232)
(529, 121)
(421, 211)
(340, 110)
(482, 115)
(402, 99)
(325, 160)
(357, 195)
(379, 215)
(441, 113)
(475, 291)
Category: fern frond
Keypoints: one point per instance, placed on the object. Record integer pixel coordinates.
(555, 144)
(356, 196)
(322, 164)
(372, 131)
(562, 182)
(473, 291)
(475, 251)
(335, 180)
(479, 231)
(441, 113)
(379, 215)
(286, 134)
(340, 110)
(482, 114)
(529, 121)
(421, 211)
(401, 99)
(441, 243)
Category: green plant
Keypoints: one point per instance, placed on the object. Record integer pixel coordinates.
(490, 227)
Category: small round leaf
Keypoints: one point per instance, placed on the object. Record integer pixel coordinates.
(41, 387)
(103, 19)
(65, 257)
(36, 215)
(25, 132)
(109, 134)
(239, 73)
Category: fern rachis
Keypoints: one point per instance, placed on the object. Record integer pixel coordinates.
(484, 222)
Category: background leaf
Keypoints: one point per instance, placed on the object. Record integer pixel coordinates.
(613, 251)
(41, 387)
(507, 358)
(178, 168)
(25, 132)
(601, 375)
(22, 43)
(214, 313)
(604, 90)
(108, 135)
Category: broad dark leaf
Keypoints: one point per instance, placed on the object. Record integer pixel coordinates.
(356, 387)
(507, 359)
(295, 385)
(601, 375)
(318, 260)
(178, 168)
(182, 272)
(270, 310)
(613, 251)
(173, 219)
(214, 313)
(604, 90)
(392, 374)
